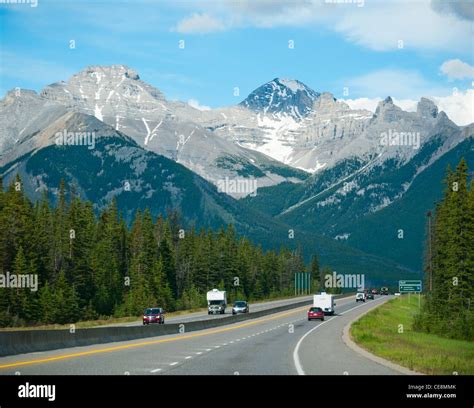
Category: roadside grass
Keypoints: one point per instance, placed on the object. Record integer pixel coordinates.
(387, 332)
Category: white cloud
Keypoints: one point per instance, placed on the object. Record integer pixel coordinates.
(401, 84)
(196, 105)
(363, 103)
(459, 106)
(457, 69)
(378, 25)
(461, 8)
(371, 103)
(199, 23)
(274, 13)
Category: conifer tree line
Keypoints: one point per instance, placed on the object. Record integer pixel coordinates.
(94, 266)
(448, 309)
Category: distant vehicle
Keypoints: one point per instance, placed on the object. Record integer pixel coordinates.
(154, 315)
(384, 291)
(360, 297)
(325, 302)
(240, 306)
(216, 301)
(397, 293)
(370, 296)
(374, 291)
(315, 313)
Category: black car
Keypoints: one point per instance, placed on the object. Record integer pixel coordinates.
(240, 306)
(370, 295)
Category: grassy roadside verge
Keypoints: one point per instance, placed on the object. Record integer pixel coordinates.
(379, 333)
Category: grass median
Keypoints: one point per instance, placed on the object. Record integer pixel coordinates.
(387, 332)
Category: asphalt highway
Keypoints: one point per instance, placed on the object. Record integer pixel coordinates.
(196, 316)
(278, 344)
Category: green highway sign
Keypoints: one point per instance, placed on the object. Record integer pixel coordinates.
(302, 283)
(407, 286)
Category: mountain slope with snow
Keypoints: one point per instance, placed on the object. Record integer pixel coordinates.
(319, 166)
(117, 96)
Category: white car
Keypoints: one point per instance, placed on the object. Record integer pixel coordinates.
(360, 297)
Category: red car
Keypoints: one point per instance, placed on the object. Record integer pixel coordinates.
(154, 315)
(374, 291)
(315, 313)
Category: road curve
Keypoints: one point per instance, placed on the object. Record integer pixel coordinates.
(281, 343)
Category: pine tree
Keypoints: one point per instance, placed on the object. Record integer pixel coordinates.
(48, 304)
(65, 300)
(451, 262)
(82, 260)
(318, 281)
(167, 260)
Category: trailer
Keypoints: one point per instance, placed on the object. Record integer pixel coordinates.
(325, 302)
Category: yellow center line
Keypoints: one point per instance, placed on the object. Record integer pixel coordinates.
(148, 343)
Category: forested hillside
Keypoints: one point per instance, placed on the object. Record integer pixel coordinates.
(91, 266)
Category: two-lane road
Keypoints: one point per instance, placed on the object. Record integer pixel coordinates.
(281, 343)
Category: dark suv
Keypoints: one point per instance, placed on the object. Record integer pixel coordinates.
(154, 315)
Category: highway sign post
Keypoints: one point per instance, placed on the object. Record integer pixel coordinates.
(302, 283)
(409, 286)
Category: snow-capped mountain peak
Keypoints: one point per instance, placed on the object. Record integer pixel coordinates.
(288, 97)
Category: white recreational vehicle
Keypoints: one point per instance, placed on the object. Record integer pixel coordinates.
(325, 302)
(216, 301)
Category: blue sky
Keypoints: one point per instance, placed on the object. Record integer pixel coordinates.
(245, 44)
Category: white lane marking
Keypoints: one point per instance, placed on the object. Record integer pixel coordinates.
(198, 352)
(208, 349)
(217, 346)
(225, 344)
(155, 370)
(173, 363)
(296, 359)
(188, 357)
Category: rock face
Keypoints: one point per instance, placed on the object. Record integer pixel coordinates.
(118, 97)
(280, 126)
(23, 114)
(319, 131)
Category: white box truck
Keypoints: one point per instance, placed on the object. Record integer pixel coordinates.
(216, 301)
(325, 302)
